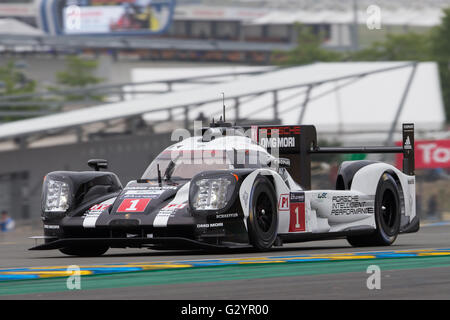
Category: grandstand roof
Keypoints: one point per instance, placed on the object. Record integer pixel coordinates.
(424, 18)
(399, 12)
(16, 27)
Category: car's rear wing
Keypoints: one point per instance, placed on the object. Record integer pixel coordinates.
(298, 143)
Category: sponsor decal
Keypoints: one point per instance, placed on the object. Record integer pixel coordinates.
(145, 192)
(174, 206)
(166, 212)
(281, 130)
(411, 181)
(283, 202)
(321, 196)
(284, 162)
(51, 226)
(91, 215)
(209, 225)
(98, 208)
(407, 144)
(297, 212)
(428, 154)
(162, 218)
(151, 188)
(352, 205)
(285, 138)
(133, 205)
(227, 215)
(280, 142)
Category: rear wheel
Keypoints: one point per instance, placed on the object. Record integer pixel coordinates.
(263, 217)
(84, 251)
(387, 215)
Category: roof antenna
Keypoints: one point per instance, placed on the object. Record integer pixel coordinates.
(223, 104)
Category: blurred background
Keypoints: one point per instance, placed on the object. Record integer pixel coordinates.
(83, 79)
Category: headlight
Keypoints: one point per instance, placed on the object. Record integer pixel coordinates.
(56, 196)
(211, 193)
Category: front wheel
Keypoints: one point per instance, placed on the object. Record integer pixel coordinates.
(387, 215)
(84, 251)
(263, 216)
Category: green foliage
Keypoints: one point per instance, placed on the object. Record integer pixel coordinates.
(308, 50)
(440, 49)
(430, 46)
(79, 73)
(397, 47)
(13, 81)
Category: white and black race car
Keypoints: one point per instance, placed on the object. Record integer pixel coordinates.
(232, 187)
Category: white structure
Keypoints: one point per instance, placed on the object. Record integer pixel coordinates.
(16, 27)
(338, 98)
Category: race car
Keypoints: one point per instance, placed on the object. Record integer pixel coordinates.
(232, 187)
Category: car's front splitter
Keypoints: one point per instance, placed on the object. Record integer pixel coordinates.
(169, 242)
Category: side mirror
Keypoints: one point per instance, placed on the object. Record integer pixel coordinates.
(98, 164)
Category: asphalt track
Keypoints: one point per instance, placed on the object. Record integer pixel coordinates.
(422, 275)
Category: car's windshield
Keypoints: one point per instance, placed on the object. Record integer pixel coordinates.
(183, 165)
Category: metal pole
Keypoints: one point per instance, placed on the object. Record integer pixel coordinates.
(355, 26)
(236, 109)
(186, 117)
(305, 103)
(401, 105)
(275, 105)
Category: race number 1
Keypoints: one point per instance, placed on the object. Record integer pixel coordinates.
(297, 212)
(133, 205)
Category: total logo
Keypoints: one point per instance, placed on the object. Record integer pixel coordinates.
(434, 153)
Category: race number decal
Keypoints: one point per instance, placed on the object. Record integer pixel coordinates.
(297, 212)
(133, 205)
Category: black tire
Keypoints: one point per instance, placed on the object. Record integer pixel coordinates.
(263, 216)
(387, 215)
(84, 251)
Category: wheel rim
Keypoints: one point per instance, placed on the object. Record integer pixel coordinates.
(388, 211)
(264, 212)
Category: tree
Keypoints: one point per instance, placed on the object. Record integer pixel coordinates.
(440, 49)
(13, 81)
(429, 46)
(397, 47)
(308, 50)
(79, 74)
(13, 84)
(433, 45)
